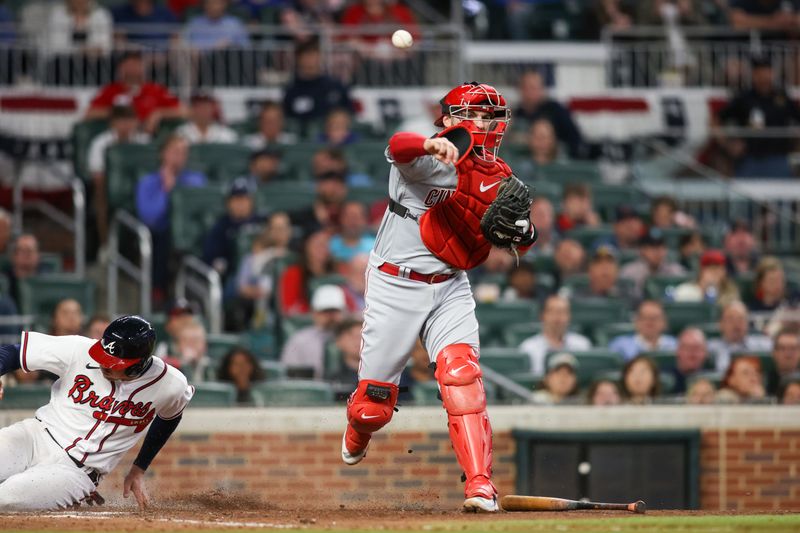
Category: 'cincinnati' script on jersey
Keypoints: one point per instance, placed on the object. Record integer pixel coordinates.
(80, 393)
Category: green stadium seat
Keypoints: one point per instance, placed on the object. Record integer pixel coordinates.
(294, 393)
(603, 333)
(368, 195)
(210, 394)
(28, 396)
(543, 263)
(589, 313)
(220, 162)
(587, 235)
(664, 359)
(296, 160)
(592, 363)
(570, 172)
(193, 212)
(368, 157)
(166, 127)
(220, 344)
(507, 361)
(285, 196)
(672, 236)
(426, 393)
(606, 198)
(682, 314)
(330, 279)
(711, 329)
(51, 263)
(273, 369)
(550, 190)
(501, 314)
(291, 324)
(39, 295)
(660, 286)
(125, 165)
(514, 334)
(83, 133)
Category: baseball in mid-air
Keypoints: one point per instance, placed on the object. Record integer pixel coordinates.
(402, 39)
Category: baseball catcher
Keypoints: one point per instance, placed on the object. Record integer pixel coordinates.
(451, 199)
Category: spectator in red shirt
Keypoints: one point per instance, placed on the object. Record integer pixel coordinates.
(316, 260)
(372, 12)
(151, 101)
(577, 208)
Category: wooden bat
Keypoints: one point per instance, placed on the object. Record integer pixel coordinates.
(542, 503)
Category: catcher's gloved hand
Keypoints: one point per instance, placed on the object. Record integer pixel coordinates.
(506, 222)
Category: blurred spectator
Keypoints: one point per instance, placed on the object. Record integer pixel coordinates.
(347, 337)
(741, 250)
(690, 358)
(650, 324)
(542, 146)
(603, 277)
(576, 208)
(368, 23)
(191, 353)
(153, 199)
(353, 237)
(151, 101)
(215, 30)
(331, 194)
(5, 231)
(421, 370)
(555, 335)
(354, 272)
(742, 382)
(535, 104)
(653, 261)
(763, 106)
(543, 217)
(313, 94)
(603, 393)
(628, 228)
(640, 384)
(203, 125)
(140, 22)
(609, 15)
(79, 25)
(570, 258)
(265, 167)
(771, 16)
(241, 368)
(521, 284)
(255, 279)
(123, 129)
(270, 129)
(660, 12)
(734, 327)
(701, 392)
(180, 313)
(770, 287)
(712, 283)
(487, 279)
(315, 261)
(24, 263)
(690, 248)
(786, 359)
(300, 15)
(180, 7)
(338, 129)
(305, 349)
(789, 393)
(96, 326)
(221, 243)
(67, 318)
(664, 214)
(560, 383)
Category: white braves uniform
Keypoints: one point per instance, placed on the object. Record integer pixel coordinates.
(89, 420)
(399, 310)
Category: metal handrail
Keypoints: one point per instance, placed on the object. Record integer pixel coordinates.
(509, 385)
(209, 287)
(116, 262)
(75, 224)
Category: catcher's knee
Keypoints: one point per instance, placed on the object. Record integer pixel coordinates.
(459, 377)
(371, 406)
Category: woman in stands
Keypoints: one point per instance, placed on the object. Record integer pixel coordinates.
(640, 383)
(743, 382)
(240, 367)
(560, 383)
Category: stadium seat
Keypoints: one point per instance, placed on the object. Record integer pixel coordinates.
(296, 160)
(294, 393)
(220, 344)
(51, 263)
(592, 363)
(368, 157)
(606, 198)
(210, 394)
(285, 196)
(603, 333)
(83, 133)
(501, 314)
(589, 313)
(368, 195)
(672, 236)
(514, 334)
(330, 279)
(39, 295)
(426, 393)
(125, 165)
(220, 162)
(507, 361)
(682, 314)
(166, 127)
(664, 359)
(570, 172)
(659, 287)
(543, 263)
(587, 235)
(27, 396)
(526, 379)
(193, 212)
(273, 369)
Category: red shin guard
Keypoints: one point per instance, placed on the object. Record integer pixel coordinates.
(369, 408)
(464, 399)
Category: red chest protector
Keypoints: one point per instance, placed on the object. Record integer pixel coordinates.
(451, 229)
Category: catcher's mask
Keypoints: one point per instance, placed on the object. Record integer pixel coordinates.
(463, 101)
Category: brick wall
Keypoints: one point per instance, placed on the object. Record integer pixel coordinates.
(740, 469)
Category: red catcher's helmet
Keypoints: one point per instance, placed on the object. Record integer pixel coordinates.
(474, 96)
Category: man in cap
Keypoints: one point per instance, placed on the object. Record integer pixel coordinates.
(653, 261)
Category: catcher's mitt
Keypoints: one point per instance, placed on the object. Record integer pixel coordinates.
(506, 222)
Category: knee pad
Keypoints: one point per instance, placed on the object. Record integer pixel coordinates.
(459, 377)
(371, 406)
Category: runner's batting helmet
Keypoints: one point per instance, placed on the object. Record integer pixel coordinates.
(463, 101)
(127, 344)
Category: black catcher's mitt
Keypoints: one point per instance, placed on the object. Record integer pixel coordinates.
(513, 204)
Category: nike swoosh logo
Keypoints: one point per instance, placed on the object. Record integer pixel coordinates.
(366, 417)
(90, 367)
(485, 188)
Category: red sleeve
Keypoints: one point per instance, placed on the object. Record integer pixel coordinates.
(293, 299)
(166, 99)
(353, 15)
(406, 146)
(105, 98)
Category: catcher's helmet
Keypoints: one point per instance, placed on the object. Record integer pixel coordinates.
(462, 101)
(127, 344)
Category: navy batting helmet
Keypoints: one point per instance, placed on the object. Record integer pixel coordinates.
(127, 344)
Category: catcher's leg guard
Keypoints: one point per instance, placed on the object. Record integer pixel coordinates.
(369, 408)
(464, 399)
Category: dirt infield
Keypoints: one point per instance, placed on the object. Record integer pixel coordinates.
(218, 512)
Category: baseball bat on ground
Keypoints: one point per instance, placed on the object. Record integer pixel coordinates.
(542, 503)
